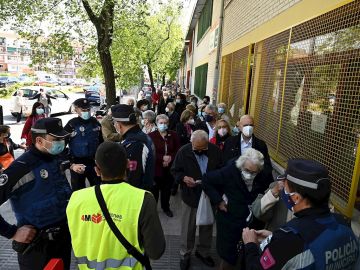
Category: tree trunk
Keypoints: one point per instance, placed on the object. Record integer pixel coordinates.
(108, 70)
(163, 80)
(153, 89)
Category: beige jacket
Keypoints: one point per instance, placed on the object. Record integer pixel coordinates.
(18, 104)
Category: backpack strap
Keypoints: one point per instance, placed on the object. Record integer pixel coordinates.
(142, 258)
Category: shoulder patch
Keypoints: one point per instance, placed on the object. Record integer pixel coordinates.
(267, 260)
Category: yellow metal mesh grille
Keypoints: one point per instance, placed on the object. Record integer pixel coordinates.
(235, 67)
(319, 115)
(270, 77)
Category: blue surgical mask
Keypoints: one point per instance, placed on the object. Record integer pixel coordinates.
(286, 197)
(85, 115)
(221, 110)
(162, 127)
(235, 131)
(56, 147)
(39, 111)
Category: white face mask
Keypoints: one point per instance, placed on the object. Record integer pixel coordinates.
(167, 109)
(248, 176)
(222, 132)
(248, 131)
(191, 122)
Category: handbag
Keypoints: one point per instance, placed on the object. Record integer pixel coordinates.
(204, 213)
(142, 258)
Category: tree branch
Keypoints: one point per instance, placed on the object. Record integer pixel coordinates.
(93, 18)
(162, 42)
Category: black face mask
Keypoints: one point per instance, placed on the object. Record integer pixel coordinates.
(200, 152)
(209, 118)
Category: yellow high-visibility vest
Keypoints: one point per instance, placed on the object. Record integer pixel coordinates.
(95, 245)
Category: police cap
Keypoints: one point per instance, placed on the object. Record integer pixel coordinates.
(310, 175)
(123, 113)
(82, 103)
(51, 126)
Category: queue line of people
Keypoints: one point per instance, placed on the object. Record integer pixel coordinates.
(234, 172)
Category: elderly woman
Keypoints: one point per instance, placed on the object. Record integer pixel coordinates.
(186, 127)
(222, 132)
(166, 144)
(148, 122)
(232, 189)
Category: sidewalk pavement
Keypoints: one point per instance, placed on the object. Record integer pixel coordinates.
(169, 260)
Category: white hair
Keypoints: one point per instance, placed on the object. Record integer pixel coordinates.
(199, 135)
(162, 116)
(150, 115)
(211, 107)
(252, 155)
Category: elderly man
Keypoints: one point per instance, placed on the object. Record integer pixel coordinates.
(210, 117)
(316, 239)
(191, 162)
(235, 145)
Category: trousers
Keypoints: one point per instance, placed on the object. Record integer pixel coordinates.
(163, 186)
(188, 233)
(78, 180)
(45, 250)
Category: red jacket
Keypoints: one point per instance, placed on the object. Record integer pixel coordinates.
(26, 132)
(173, 144)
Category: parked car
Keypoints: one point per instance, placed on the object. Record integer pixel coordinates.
(3, 81)
(12, 80)
(60, 105)
(25, 79)
(93, 96)
(80, 82)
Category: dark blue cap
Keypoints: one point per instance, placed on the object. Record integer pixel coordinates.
(51, 126)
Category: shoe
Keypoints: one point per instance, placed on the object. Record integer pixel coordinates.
(205, 260)
(185, 263)
(169, 213)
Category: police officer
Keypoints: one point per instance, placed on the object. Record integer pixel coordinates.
(84, 139)
(139, 147)
(39, 192)
(132, 210)
(316, 239)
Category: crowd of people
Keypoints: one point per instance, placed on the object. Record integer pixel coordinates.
(145, 151)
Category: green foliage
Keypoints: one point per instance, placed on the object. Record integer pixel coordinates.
(9, 90)
(136, 35)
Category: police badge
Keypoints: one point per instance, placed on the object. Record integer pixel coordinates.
(44, 174)
(3, 179)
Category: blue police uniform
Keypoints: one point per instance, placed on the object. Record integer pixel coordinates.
(315, 240)
(140, 151)
(84, 139)
(39, 192)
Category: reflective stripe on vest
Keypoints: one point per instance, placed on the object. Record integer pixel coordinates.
(109, 263)
(91, 235)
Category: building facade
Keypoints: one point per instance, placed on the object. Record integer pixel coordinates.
(295, 66)
(15, 53)
(15, 57)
